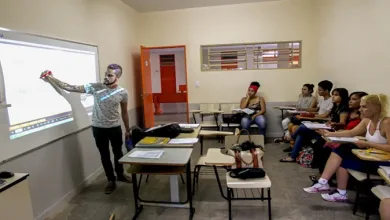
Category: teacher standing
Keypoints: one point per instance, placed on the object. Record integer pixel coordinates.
(106, 119)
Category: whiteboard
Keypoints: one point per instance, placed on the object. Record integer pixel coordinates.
(41, 113)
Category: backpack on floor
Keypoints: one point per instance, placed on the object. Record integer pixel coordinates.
(305, 157)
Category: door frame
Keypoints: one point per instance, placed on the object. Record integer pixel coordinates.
(185, 67)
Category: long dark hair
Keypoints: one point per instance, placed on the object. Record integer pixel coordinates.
(343, 93)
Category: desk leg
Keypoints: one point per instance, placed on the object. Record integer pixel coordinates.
(189, 192)
(282, 114)
(138, 208)
(174, 185)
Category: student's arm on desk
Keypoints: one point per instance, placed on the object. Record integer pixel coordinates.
(384, 147)
(356, 131)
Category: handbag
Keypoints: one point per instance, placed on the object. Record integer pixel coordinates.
(247, 173)
(247, 154)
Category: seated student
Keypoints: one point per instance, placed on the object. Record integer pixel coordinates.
(305, 101)
(384, 209)
(338, 113)
(376, 126)
(323, 108)
(256, 103)
(321, 154)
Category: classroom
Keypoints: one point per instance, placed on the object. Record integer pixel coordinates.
(194, 62)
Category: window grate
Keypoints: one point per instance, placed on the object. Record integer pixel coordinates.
(277, 55)
(167, 60)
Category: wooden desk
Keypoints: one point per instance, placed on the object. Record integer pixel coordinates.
(284, 108)
(364, 155)
(15, 200)
(384, 175)
(194, 134)
(173, 161)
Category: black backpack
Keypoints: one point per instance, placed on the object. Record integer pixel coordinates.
(169, 131)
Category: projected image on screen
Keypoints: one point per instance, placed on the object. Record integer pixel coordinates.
(35, 104)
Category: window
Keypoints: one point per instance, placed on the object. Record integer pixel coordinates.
(278, 55)
(167, 60)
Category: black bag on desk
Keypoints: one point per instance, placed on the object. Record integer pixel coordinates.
(168, 130)
(247, 173)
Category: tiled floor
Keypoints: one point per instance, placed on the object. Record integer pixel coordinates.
(288, 199)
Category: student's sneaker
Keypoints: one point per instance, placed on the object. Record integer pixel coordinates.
(335, 196)
(317, 188)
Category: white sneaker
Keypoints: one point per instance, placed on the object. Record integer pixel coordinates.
(317, 188)
(335, 196)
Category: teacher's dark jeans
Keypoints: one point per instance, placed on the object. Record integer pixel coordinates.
(103, 138)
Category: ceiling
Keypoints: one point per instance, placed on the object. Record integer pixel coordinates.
(163, 5)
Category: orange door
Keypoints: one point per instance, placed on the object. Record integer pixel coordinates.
(168, 79)
(147, 94)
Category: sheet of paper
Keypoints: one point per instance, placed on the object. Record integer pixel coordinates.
(189, 125)
(386, 169)
(343, 139)
(152, 154)
(183, 141)
(295, 112)
(316, 125)
(245, 110)
(287, 107)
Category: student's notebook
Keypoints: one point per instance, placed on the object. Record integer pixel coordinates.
(314, 126)
(384, 190)
(342, 139)
(245, 110)
(153, 141)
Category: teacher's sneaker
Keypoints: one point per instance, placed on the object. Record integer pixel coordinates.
(317, 188)
(335, 196)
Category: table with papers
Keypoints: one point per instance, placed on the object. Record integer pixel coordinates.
(173, 159)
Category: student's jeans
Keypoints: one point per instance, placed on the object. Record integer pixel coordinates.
(301, 135)
(103, 138)
(260, 121)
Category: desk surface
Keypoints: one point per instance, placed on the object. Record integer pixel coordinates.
(13, 181)
(215, 157)
(194, 134)
(170, 157)
(384, 176)
(312, 119)
(364, 155)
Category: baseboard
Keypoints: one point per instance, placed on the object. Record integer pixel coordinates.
(60, 205)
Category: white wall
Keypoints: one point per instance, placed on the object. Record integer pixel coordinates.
(58, 168)
(354, 44)
(155, 67)
(284, 20)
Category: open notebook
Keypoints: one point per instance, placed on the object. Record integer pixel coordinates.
(386, 169)
(314, 126)
(342, 139)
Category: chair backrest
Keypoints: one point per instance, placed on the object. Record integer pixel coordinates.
(228, 107)
(208, 107)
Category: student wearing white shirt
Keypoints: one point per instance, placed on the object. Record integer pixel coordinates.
(325, 103)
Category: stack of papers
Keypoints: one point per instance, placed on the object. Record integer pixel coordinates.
(245, 110)
(189, 125)
(386, 169)
(151, 154)
(183, 141)
(314, 126)
(343, 139)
